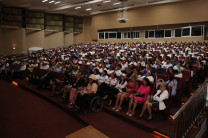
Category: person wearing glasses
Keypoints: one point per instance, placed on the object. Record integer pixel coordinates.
(157, 101)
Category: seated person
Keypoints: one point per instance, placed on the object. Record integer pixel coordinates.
(158, 101)
(74, 90)
(148, 68)
(45, 79)
(103, 78)
(83, 95)
(96, 74)
(172, 82)
(58, 67)
(120, 87)
(148, 75)
(178, 67)
(111, 84)
(140, 96)
(167, 64)
(158, 70)
(58, 84)
(130, 87)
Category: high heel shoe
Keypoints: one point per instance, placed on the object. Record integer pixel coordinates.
(132, 114)
(140, 117)
(114, 108)
(128, 112)
(110, 103)
(149, 119)
(118, 109)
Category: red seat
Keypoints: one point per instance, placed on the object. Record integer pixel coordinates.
(187, 80)
(152, 88)
(162, 76)
(179, 88)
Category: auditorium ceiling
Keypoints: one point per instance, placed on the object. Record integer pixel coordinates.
(80, 7)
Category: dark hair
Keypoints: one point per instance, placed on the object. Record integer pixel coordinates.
(94, 81)
(105, 71)
(190, 66)
(123, 81)
(175, 71)
(97, 71)
(147, 81)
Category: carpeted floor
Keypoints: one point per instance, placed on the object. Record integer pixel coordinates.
(24, 115)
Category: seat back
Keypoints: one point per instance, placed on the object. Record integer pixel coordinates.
(162, 76)
(152, 88)
(186, 74)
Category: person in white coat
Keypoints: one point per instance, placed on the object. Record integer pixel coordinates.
(158, 101)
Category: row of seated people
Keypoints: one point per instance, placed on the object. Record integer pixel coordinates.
(109, 86)
(106, 78)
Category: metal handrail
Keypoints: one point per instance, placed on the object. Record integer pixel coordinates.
(190, 99)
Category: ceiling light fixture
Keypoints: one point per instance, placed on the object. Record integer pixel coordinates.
(116, 3)
(77, 8)
(44, 0)
(52, 1)
(88, 9)
(57, 2)
(106, 1)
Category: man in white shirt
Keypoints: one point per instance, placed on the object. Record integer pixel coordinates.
(44, 66)
(167, 64)
(141, 61)
(118, 71)
(148, 75)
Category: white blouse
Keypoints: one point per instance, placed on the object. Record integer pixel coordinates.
(103, 79)
(112, 82)
(121, 85)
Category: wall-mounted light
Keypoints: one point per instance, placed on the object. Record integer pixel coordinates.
(14, 45)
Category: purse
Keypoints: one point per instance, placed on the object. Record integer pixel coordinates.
(140, 95)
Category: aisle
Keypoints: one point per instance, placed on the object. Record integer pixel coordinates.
(24, 115)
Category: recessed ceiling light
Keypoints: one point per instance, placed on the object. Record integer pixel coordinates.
(88, 9)
(106, 1)
(116, 3)
(77, 8)
(57, 2)
(52, 1)
(44, 0)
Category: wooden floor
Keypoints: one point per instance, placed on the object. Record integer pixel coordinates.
(87, 132)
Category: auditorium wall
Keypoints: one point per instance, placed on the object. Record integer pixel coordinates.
(11, 38)
(22, 39)
(188, 11)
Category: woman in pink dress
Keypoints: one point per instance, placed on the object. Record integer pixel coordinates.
(139, 97)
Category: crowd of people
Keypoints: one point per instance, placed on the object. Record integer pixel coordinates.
(120, 71)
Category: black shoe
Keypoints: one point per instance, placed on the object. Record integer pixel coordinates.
(149, 119)
(140, 117)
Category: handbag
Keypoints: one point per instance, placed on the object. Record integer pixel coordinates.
(140, 95)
